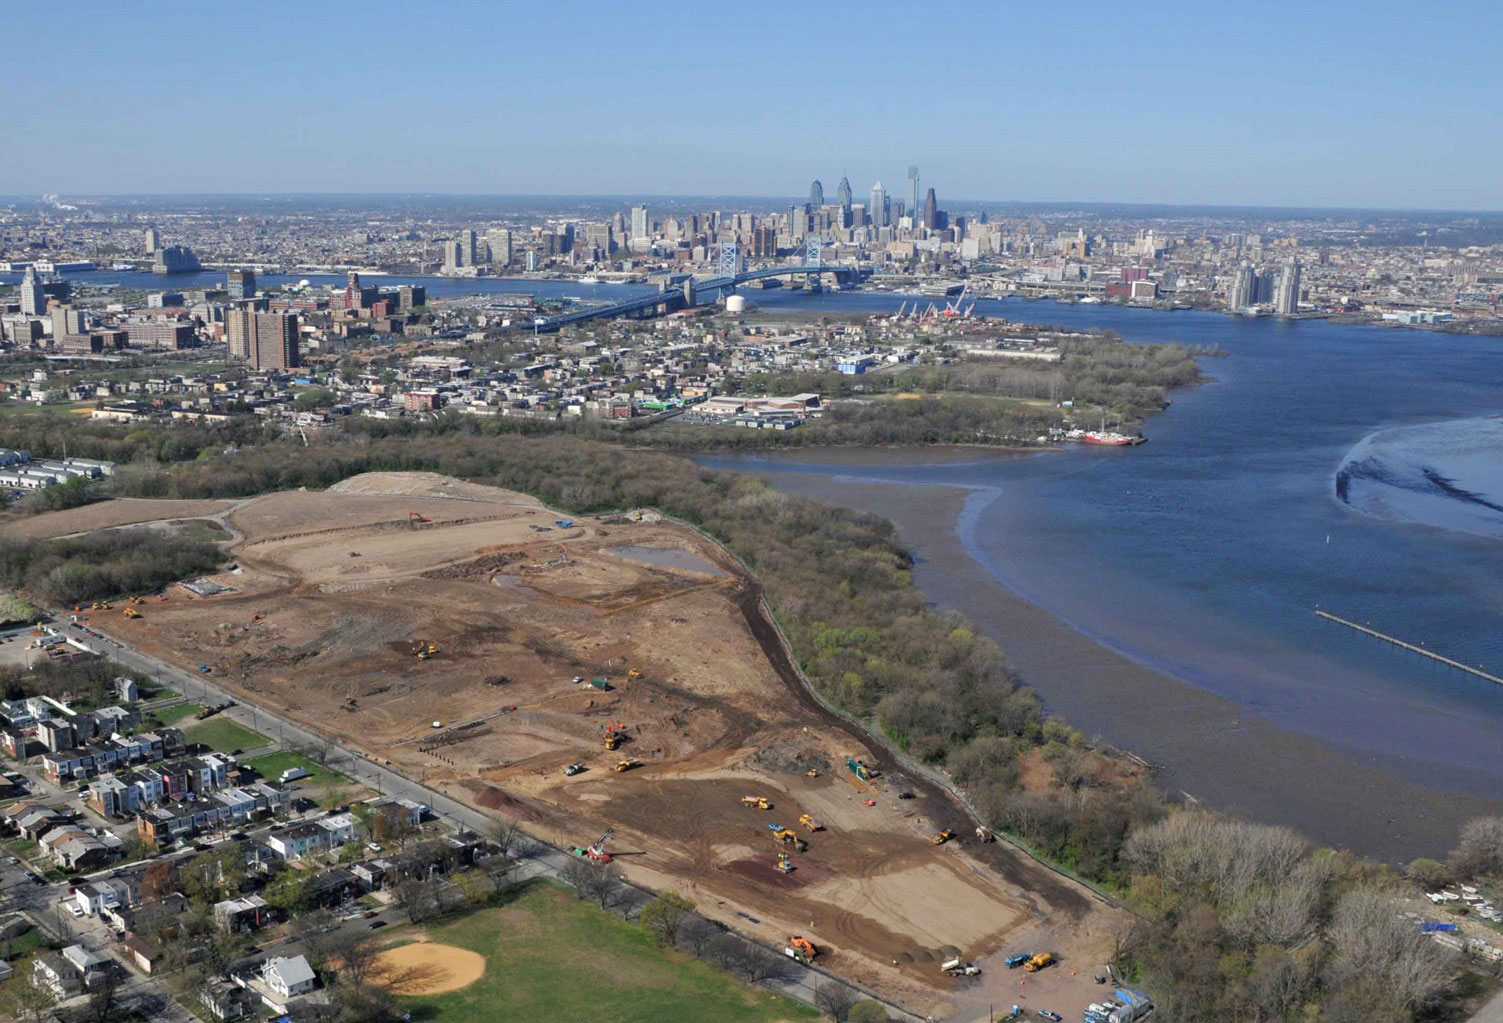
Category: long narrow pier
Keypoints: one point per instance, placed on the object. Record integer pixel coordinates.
(1410, 647)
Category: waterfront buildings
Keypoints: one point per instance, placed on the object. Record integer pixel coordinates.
(1286, 295)
(240, 284)
(175, 259)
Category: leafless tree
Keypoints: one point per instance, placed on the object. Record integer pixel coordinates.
(1479, 851)
(1373, 941)
(103, 1005)
(590, 880)
(508, 838)
(698, 936)
(834, 1000)
(417, 898)
(501, 872)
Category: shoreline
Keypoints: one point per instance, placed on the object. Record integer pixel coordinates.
(1207, 749)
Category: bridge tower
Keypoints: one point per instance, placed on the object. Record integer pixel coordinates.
(729, 264)
(813, 257)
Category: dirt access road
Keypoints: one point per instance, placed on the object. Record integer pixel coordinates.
(333, 594)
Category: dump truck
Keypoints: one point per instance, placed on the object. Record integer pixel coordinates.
(984, 834)
(626, 765)
(960, 968)
(612, 740)
(810, 823)
(1039, 962)
(756, 802)
(943, 837)
(131, 612)
(801, 948)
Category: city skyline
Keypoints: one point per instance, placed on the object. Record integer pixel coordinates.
(1102, 106)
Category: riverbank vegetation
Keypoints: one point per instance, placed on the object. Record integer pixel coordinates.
(1240, 921)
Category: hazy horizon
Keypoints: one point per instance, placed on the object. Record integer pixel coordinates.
(1354, 105)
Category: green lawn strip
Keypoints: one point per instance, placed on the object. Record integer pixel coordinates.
(335, 787)
(176, 713)
(222, 735)
(613, 971)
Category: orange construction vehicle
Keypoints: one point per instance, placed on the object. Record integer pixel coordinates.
(801, 948)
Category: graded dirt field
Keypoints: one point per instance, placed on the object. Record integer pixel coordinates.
(333, 594)
(424, 968)
(123, 511)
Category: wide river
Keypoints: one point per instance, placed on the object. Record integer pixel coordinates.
(1350, 468)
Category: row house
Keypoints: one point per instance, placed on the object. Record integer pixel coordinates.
(118, 751)
(311, 838)
(174, 820)
(124, 793)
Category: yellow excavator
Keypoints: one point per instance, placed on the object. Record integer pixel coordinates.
(942, 837)
(788, 837)
(810, 823)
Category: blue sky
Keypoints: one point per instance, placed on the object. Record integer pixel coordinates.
(1317, 103)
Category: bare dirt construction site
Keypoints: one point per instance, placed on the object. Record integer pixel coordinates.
(439, 625)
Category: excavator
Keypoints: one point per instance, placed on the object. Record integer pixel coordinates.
(810, 823)
(423, 651)
(801, 948)
(756, 802)
(788, 837)
(597, 851)
(413, 518)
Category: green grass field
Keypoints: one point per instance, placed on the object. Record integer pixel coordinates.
(222, 735)
(551, 957)
(327, 786)
(177, 713)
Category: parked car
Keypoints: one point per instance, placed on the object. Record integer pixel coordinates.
(377, 924)
(1052, 1017)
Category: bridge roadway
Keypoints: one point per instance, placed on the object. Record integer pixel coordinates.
(673, 297)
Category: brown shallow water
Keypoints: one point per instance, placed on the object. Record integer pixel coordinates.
(1208, 748)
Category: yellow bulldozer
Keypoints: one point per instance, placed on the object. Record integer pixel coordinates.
(943, 837)
(756, 802)
(131, 612)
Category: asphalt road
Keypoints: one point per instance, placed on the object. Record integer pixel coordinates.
(542, 860)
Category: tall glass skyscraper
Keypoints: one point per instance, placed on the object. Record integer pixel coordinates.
(913, 190)
(816, 194)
